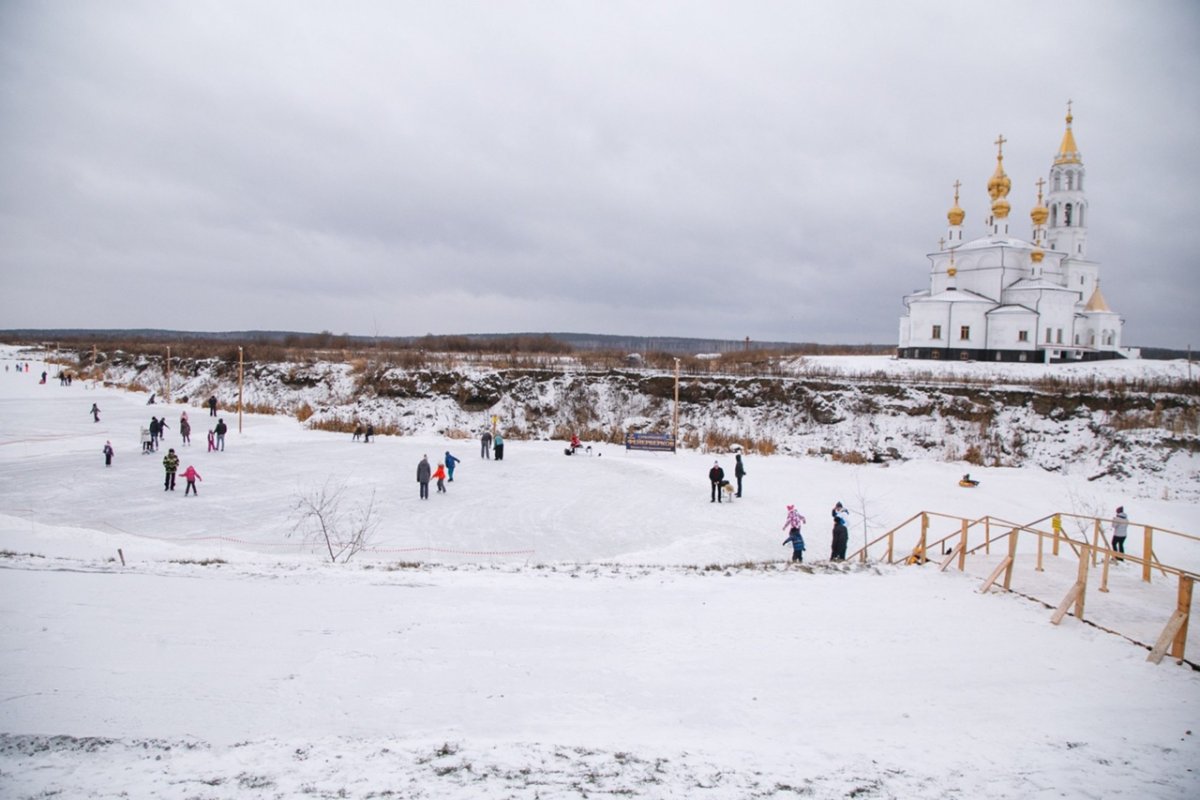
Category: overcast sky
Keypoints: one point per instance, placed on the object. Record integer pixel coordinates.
(771, 170)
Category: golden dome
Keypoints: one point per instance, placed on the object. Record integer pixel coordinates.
(1039, 213)
(1037, 255)
(956, 214)
(1000, 208)
(999, 184)
(1068, 151)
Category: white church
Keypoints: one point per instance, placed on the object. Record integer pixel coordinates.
(1000, 298)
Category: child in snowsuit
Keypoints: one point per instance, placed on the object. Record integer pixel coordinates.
(794, 520)
(192, 476)
(212, 442)
(147, 445)
(108, 454)
(440, 475)
(95, 413)
(170, 464)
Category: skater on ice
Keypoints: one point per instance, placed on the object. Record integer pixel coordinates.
(170, 464)
(423, 474)
(108, 454)
(792, 525)
(192, 476)
(451, 463)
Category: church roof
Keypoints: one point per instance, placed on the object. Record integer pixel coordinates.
(1011, 308)
(1040, 284)
(1068, 151)
(1096, 302)
(956, 296)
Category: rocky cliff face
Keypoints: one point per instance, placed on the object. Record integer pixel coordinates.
(1132, 434)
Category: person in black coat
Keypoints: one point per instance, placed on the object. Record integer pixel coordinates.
(739, 472)
(716, 476)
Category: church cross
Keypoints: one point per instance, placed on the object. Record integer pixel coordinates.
(1040, 183)
(942, 243)
(956, 185)
(1000, 144)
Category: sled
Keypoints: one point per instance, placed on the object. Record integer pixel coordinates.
(968, 484)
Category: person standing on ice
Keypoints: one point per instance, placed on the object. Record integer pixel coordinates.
(1120, 523)
(192, 476)
(451, 463)
(154, 431)
(739, 472)
(841, 534)
(716, 476)
(369, 433)
(485, 444)
(221, 430)
(423, 475)
(108, 454)
(212, 441)
(439, 475)
(185, 428)
(498, 446)
(170, 464)
(792, 525)
(95, 413)
(212, 405)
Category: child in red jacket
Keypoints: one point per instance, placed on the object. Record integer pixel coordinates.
(440, 474)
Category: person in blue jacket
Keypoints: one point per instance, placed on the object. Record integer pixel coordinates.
(450, 462)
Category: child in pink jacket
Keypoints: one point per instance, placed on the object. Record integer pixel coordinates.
(192, 476)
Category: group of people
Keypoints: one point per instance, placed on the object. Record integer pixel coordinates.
(363, 434)
(720, 486)
(490, 445)
(841, 533)
(443, 474)
(155, 432)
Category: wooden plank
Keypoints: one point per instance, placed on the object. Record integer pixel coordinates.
(1061, 611)
(1012, 558)
(956, 550)
(1004, 564)
(1185, 607)
(1174, 625)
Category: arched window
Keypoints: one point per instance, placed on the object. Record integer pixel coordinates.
(1081, 207)
(1079, 182)
(1054, 215)
(1067, 215)
(1070, 181)
(1057, 182)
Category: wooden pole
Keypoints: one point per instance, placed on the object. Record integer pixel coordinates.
(924, 536)
(1147, 552)
(1095, 541)
(1184, 606)
(168, 397)
(93, 366)
(1040, 538)
(1077, 592)
(241, 384)
(1057, 534)
(1104, 572)
(987, 532)
(962, 548)
(1081, 579)
(1012, 557)
(675, 414)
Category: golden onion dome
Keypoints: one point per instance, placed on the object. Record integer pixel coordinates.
(999, 184)
(1039, 214)
(1000, 208)
(956, 215)
(1037, 255)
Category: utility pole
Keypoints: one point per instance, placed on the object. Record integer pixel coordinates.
(168, 398)
(240, 386)
(675, 423)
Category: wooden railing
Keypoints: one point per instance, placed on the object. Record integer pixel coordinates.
(1091, 552)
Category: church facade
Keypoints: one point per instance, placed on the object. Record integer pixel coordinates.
(1001, 298)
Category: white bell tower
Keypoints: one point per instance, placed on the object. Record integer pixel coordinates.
(1067, 202)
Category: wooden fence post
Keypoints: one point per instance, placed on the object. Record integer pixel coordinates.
(1147, 552)
(1175, 634)
(1095, 541)
(962, 549)
(1040, 568)
(1077, 593)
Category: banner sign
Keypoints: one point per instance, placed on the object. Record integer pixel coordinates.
(661, 442)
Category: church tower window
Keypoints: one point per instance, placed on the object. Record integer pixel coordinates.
(1070, 181)
(1022, 336)
(1067, 215)
(937, 332)
(964, 332)
(1057, 182)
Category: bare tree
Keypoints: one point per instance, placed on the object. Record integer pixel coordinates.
(318, 517)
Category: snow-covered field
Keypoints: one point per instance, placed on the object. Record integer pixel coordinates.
(548, 628)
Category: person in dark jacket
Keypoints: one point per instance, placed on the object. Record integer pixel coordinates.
(716, 476)
(498, 446)
(485, 444)
(451, 463)
(424, 473)
(155, 429)
(95, 413)
(841, 534)
(739, 472)
(212, 405)
(170, 464)
(108, 454)
(221, 430)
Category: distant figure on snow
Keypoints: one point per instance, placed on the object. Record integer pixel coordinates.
(108, 454)
(841, 534)
(150, 402)
(185, 429)
(451, 463)
(95, 413)
(192, 476)
(792, 525)
(423, 475)
(439, 475)
(370, 432)
(358, 432)
(155, 429)
(575, 443)
(221, 430)
(485, 445)
(1120, 523)
(498, 446)
(147, 442)
(212, 441)
(716, 476)
(967, 480)
(212, 405)
(170, 464)
(739, 472)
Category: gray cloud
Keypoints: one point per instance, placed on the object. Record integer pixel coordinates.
(776, 170)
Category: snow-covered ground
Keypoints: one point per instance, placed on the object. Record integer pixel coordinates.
(548, 628)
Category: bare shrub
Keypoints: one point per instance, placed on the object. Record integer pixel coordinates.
(849, 457)
(457, 433)
(318, 518)
(304, 412)
(974, 454)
